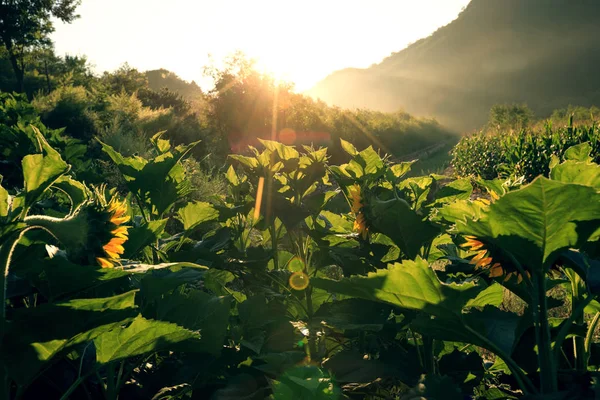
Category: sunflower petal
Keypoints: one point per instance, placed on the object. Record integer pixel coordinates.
(496, 271)
(120, 220)
(104, 263)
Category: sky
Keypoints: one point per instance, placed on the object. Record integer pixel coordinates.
(299, 41)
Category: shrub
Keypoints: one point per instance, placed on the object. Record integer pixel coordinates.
(70, 108)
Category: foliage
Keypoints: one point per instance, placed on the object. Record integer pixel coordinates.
(27, 24)
(524, 153)
(246, 106)
(298, 278)
(510, 116)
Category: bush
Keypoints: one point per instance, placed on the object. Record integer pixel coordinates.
(70, 108)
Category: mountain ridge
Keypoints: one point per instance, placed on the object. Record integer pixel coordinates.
(537, 52)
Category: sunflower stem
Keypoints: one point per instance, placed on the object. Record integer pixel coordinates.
(548, 374)
(6, 252)
(578, 341)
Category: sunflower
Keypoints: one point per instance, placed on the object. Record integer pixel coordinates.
(113, 248)
(484, 260)
(93, 233)
(360, 222)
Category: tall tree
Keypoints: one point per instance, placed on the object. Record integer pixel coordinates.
(25, 24)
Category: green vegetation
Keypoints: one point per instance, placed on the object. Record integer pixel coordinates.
(301, 279)
(526, 153)
(161, 242)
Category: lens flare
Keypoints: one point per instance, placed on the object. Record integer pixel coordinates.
(299, 280)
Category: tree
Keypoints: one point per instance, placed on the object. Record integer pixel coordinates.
(510, 116)
(26, 24)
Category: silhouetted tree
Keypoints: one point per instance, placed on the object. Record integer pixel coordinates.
(25, 24)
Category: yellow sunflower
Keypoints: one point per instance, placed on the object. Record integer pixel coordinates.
(93, 233)
(114, 247)
(484, 260)
(360, 222)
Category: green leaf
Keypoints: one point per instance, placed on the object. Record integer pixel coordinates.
(306, 383)
(370, 161)
(579, 152)
(196, 213)
(160, 182)
(348, 147)
(76, 191)
(209, 315)
(493, 295)
(461, 210)
(284, 152)
(411, 285)
(582, 173)
(537, 222)
(142, 236)
(397, 220)
(459, 189)
(141, 337)
(41, 170)
(59, 277)
(232, 177)
(446, 309)
(397, 171)
(350, 366)
(36, 335)
(355, 314)
(3, 201)
(464, 368)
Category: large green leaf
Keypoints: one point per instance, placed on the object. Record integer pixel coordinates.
(538, 221)
(579, 152)
(448, 311)
(209, 315)
(76, 191)
(459, 189)
(36, 335)
(160, 182)
(306, 383)
(40, 171)
(142, 236)
(355, 314)
(351, 366)
(142, 336)
(411, 285)
(582, 173)
(59, 277)
(196, 213)
(461, 210)
(348, 147)
(397, 220)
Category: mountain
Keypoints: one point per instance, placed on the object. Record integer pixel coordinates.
(545, 53)
(162, 78)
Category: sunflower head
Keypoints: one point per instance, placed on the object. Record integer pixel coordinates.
(113, 233)
(357, 207)
(94, 233)
(484, 260)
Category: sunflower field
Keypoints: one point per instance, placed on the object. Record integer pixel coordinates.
(305, 280)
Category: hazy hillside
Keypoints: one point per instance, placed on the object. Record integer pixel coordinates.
(162, 78)
(542, 52)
